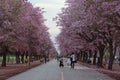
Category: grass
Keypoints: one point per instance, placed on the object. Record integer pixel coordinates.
(116, 66)
(1, 59)
(11, 58)
(8, 59)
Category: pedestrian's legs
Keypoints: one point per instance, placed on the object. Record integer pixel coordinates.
(73, 64)
(59, 63)
(45, 60)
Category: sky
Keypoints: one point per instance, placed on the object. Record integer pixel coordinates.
(51, 8)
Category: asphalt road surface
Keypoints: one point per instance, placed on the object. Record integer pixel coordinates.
(52, 71)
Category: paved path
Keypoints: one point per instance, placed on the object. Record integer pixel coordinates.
(51, 71)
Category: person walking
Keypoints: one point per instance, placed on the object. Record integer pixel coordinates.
(45, 59)
(72, 59)
(61, 64)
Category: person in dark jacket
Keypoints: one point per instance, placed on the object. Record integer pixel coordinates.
(61, 64)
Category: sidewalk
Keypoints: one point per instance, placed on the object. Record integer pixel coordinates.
(51, 71)
(13, 69)
(48, 71)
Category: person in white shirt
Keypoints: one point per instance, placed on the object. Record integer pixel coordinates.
(72, 59)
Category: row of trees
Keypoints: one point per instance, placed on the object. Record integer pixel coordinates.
(22, 30)
(90, 28)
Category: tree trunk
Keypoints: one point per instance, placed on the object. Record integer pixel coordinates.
(39, 58)
(101, 48)
(81, 56)
(22, 58)
(29, 59)
(90, 54)
(78, 56)
(111, 59)
(86, 57)
(26, 58)
(4, 60)
(119, 59)
(5, 49)
(17, 58)
(94, 58)
(100, 58)
(8, 58)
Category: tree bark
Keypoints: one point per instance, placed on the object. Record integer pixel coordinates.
(81, 57)
(101, 54)
(90, 54)
(8, 58)
(4, 60)
(26, 58)
(86, 57)
(119, 58)
(17, 58)
(29, 59)
(111, 59)
(22, 58)
(94, 58)
(5, 49)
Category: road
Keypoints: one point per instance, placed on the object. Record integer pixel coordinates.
(51, 71)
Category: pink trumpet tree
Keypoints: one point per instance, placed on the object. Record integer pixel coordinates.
(22, 30)
(90, 25)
